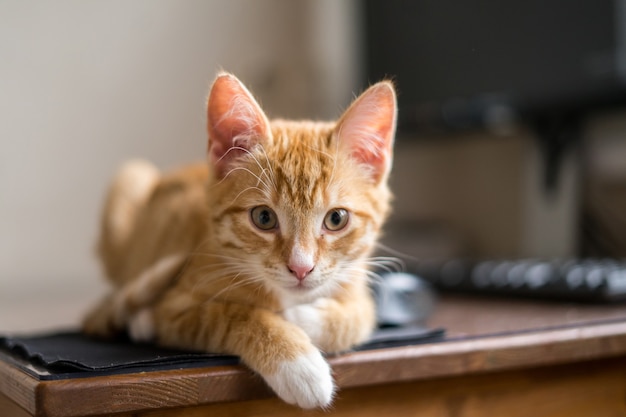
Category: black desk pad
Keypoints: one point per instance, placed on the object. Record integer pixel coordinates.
(69, 354)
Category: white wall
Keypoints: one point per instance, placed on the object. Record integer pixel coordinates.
(85, 85)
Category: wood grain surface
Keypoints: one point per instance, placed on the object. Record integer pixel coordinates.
(589, 389)
(537, 350)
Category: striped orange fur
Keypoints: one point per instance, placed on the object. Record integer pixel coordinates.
(263, 252)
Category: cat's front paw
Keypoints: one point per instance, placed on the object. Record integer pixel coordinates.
(101, 321)
(305, 381)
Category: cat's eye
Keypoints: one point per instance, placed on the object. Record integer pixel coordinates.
(264, 218)
(336, 219)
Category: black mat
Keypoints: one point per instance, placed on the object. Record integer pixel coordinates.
(70, 354)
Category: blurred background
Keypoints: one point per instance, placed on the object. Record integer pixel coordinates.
(511, 143)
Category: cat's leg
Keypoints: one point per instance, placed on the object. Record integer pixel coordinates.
(99, 321)
(337, 324)
(124, 308)
(277, 350)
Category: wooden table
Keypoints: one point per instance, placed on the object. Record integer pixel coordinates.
(501, 357)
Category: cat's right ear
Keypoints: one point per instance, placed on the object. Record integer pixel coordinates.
(368, 127)
(236, 123)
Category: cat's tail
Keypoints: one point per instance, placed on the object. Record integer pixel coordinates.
(128, 193)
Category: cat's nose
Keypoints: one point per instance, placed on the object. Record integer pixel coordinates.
(300, 271)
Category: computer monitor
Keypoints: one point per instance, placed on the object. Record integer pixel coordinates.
(464, 64)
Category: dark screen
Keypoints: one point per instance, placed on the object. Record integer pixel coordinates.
(469, 55)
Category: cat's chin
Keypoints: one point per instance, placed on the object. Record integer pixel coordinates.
(294, 294)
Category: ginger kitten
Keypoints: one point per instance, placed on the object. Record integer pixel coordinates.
(261, 253)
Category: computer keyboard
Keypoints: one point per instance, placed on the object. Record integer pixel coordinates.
(598, 280)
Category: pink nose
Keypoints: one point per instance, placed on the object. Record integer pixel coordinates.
(300, 271)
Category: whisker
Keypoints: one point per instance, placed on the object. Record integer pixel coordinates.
(364, 271)
(265, 193)
(263, 169)
(386, 263)
(249, 171)
(235, 282)
(272, 175)
(397, 253)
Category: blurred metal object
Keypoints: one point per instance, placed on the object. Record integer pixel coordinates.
(403, 299)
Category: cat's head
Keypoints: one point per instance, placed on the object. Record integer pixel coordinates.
(297, 206)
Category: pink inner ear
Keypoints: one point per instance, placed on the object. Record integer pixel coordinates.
(368, 127)
(235, 120)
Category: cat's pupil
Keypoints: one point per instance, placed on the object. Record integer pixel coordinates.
(265, 218)
(335, 218)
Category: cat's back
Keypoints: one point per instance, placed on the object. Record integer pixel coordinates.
(168, 220)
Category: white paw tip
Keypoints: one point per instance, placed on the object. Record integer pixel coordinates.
(306, 381)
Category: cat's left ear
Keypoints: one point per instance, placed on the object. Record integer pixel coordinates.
(236, 122)
(367, 129)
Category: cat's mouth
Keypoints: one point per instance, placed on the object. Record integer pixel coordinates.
(311, 287)
(302, 286)
(305, 288)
